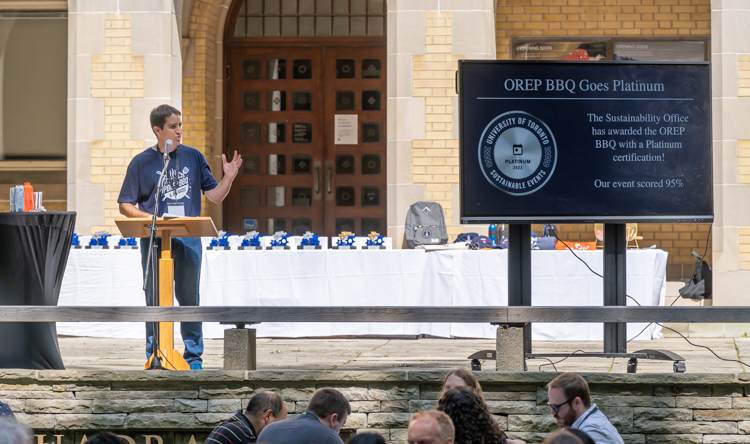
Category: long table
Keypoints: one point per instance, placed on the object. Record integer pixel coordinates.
(352, 278)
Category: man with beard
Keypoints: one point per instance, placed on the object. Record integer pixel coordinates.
(570, 404)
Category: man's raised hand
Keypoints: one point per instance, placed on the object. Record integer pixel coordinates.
(231, 169)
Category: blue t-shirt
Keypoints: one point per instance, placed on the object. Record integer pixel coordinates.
(185, 186)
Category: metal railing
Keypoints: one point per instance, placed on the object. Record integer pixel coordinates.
(494, 315)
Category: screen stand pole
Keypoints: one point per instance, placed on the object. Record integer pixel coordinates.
(615, 285)
(519, 272)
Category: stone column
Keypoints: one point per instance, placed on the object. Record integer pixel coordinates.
(426, 38)
(730, 48)
(511, 356)
(124, 59)
(240, 348)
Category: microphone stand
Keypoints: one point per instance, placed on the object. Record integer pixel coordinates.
(151, 264)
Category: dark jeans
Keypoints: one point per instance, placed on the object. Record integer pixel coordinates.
(187, 255)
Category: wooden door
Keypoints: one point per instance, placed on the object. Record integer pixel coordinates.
(282, 104)
(275, 121)
(355, 181)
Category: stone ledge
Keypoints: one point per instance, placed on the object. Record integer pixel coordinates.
(338, 376)
(20, 375)
(328, 376)
(141, 376)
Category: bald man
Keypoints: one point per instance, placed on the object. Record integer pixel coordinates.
(431, 427)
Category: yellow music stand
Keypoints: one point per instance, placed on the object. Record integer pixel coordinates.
(167, 229)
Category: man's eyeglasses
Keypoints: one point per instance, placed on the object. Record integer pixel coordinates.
(556, 408)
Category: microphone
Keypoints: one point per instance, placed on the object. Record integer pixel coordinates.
(168, 145)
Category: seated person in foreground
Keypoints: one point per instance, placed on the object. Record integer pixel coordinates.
(563, 436)
(262, 409)
(367, 438)
(570, 404)
(580, 434)
(13, 432)
(462, 378)
(472, 420)
(6, 412)
(430, 427)
(105, 438)
(320, 424)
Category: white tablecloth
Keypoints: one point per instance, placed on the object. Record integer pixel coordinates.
(365, 278)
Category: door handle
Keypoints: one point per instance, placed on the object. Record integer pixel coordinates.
(316, 178)
(329, 180)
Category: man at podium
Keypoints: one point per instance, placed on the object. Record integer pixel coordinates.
(188, 174)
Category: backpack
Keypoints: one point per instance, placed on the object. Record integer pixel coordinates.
(700, 286)
(425, 225)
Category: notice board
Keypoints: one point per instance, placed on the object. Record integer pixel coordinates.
(585, 141)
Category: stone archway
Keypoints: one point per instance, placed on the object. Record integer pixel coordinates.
(202, 85)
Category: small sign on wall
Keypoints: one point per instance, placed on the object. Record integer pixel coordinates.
(345, 132)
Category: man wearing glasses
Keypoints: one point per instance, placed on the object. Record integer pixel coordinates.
(570, 404)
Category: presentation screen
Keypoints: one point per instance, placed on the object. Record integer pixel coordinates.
(585, 142)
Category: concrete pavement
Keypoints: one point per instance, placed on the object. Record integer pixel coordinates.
(426, 353)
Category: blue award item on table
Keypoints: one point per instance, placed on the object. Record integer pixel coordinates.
(251, 241)
(374, 242)
(99, 241)
(280, 241)
(126, 244)
(221, 242)
(309, 241)
(345, 241)
(75, 242)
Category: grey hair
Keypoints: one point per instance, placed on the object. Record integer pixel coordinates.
(12, 432)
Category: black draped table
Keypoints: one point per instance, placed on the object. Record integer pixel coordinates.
(34, 251)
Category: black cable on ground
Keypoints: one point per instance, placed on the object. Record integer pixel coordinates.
(708, 237)
(561, 360)
(701, 346)
(575, 353)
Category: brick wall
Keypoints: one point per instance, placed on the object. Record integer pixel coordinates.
(435, 159)
(181, 408)
(600, 18)
(743, 83)
(117, 76)
(626, 18)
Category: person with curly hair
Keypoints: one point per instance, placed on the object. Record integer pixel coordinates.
(472, 419)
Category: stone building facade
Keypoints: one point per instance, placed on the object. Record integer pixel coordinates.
(127, 56)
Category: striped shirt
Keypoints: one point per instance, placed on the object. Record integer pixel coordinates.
(235, 430)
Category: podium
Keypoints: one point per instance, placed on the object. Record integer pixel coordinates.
(166, 230)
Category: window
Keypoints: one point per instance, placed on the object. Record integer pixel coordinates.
(33, 85)
(307, 18)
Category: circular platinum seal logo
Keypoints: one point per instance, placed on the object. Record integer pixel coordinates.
(426, 233)
(517, 153)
